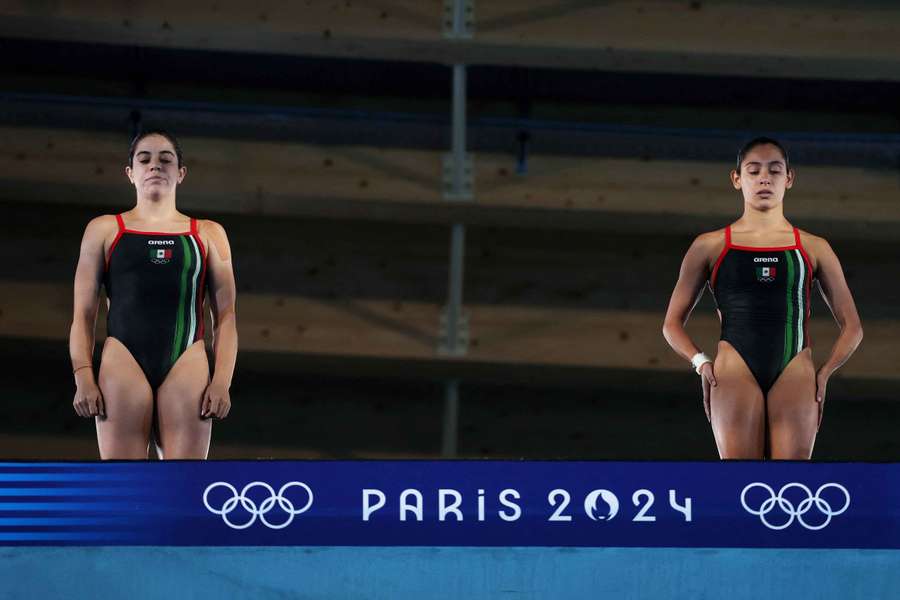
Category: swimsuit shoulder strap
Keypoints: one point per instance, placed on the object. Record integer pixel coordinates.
(195, 233)
(715, 269)
(116, 239)
(802, 250)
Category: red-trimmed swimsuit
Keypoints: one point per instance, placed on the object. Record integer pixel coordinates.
(763, 297)
(155, 285)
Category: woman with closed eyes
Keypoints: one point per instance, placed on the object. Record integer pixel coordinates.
(762, 394)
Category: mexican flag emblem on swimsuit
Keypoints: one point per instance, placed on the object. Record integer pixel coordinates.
(160, 256)
(766, 274)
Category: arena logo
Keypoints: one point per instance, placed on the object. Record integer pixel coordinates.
(252, 506)
(600, 505)
(767, 259)
(161, 242)
(812, 511)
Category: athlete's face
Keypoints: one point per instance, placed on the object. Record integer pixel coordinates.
(154, 170)
(763, 177)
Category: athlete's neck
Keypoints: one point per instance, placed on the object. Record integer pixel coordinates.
(156, 209)
(758, 220)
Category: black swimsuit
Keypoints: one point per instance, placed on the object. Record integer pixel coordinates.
(763, 298)
(155, 285)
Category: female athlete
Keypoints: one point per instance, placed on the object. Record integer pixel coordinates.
(156, 263)
(762, 394)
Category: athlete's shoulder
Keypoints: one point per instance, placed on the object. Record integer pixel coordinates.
(806, 236)
(704, 249)
(813, 243)
(104, 221)
(215, 237)
(818, 249)
(101, 226)
(210, 227)
(710, 241)
(711, 237)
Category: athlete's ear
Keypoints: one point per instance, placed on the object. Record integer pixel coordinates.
(128, 174)
(789, 182)
(735, 179)
(182, 171)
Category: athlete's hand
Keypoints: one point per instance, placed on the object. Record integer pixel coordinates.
(88, 400)
(821, 385)
(216, 401)
(708, 379)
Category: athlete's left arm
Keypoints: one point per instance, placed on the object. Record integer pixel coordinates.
(217, 399)
(833, 286)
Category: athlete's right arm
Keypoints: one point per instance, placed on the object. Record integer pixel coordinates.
(88, 400)
(692, 278)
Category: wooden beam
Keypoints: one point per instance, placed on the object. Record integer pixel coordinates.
(291, 179)
(796, 39)
(613, 339)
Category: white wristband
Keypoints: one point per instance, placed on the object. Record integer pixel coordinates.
(698, 360)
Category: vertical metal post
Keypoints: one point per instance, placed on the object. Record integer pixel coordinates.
(451, 388)
(454, 302)
(459, 189)
(458, 140)
(449, 441)
(457, 230)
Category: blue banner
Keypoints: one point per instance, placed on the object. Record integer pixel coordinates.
(452, 503)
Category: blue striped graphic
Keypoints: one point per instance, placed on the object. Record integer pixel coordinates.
(10, 506)
(106, 492)
(63, 466)
(23, 477)
(64, 536)
(45, 521)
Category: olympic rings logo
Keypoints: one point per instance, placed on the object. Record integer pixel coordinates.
(796, 512)
(264, 507)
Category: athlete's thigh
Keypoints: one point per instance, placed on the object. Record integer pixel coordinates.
(128, 400)
(793, 411)
(737, 409)
(182, 432)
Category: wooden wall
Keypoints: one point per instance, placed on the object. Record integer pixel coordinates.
(341, 249)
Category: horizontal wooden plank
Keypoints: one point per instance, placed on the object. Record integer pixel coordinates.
(795, 29)
(657, 36)
(269, 178)
(409, 330)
